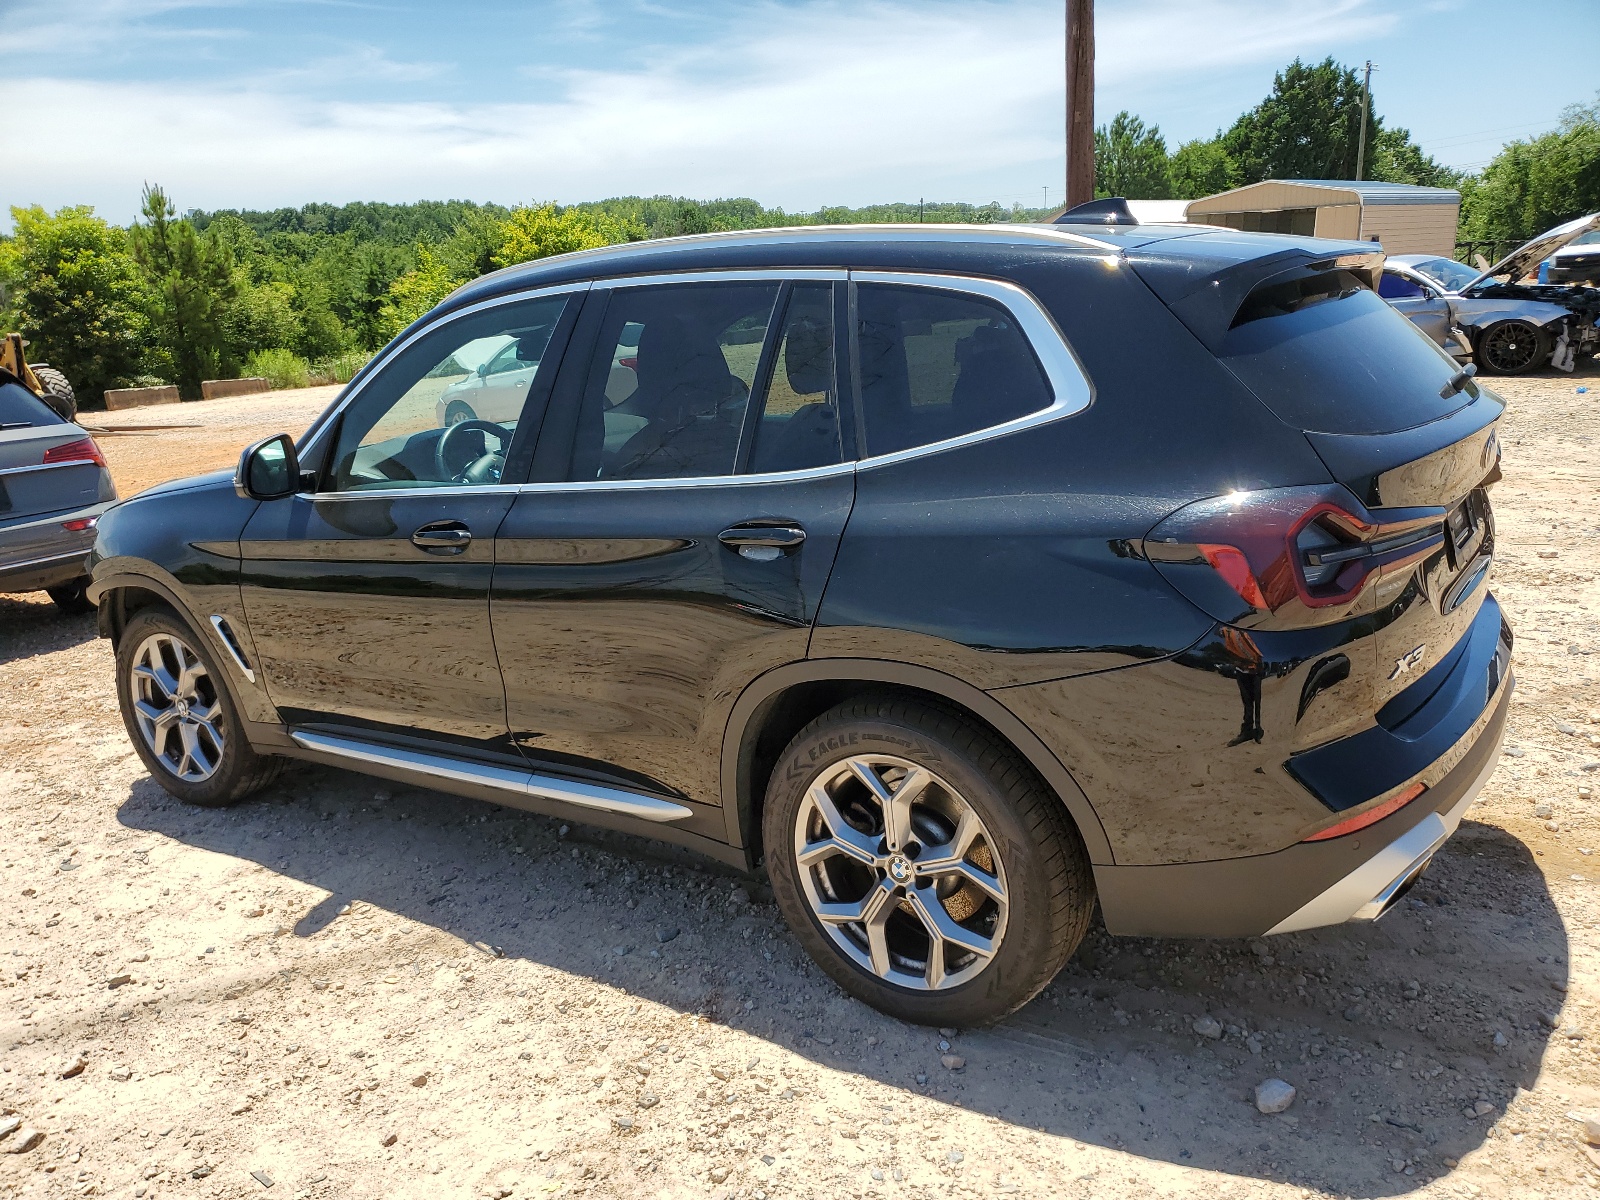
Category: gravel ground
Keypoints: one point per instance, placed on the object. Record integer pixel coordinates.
(345, 989)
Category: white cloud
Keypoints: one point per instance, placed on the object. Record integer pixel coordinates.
(824, 103)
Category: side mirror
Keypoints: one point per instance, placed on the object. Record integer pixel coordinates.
(268, 470)
(483, 370)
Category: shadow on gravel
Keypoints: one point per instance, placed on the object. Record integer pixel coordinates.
(31, 624)
(1388, 1031)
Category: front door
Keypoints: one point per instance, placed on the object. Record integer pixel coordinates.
(368, 600)
(684, 532)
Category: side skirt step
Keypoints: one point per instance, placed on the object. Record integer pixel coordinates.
(521, 783)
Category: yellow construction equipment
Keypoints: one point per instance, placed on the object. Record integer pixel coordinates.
(43, 380)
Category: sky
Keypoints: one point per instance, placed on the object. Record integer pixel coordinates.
(798, 103)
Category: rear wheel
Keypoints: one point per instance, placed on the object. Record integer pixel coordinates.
(181, 716)
(1512, 348)
(72, 598)
(58, 392)
(922, 864)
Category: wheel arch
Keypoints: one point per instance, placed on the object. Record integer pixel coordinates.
(118, 597)
(779, 703)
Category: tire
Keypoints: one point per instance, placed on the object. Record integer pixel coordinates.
(1022, 889)
(72, 598)
(215, 775)
(458, 411)
(58, 392)
(1511, 348)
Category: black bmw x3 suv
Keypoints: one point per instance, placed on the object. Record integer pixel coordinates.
(963, 576)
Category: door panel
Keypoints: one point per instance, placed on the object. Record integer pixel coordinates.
(626, 628)
(355, 623)
(1429, 313)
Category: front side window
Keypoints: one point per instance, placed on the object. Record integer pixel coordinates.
(444, 411)
(937, 364)
(1397, 287)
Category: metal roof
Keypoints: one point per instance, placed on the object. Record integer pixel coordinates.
(1366, 191)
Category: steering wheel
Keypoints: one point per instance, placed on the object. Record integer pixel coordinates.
(483, 467)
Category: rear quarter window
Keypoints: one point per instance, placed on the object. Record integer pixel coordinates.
(20, 408)
(1327, 355)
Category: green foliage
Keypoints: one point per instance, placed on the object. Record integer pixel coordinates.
(1307, 128)
(261, 316)
(191, 284)
(419, 289)
(341, 368)
(1534, 184)
(1200, 168)
(533, 233)
(1131, 160)
(1395, 158)
(279, 367)
(75, 294)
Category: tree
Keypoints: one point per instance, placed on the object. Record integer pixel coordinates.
(1534, 184)
(1307, 128)
(1130, 160)
(191, 284)
(76, 296)
(418, 290)
(1395, 158)
(533, 233)
(1200, 168)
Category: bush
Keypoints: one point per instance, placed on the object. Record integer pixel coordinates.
(341, 368)
(281, 368)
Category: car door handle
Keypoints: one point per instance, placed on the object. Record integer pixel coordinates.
(784, 537)
(448, 537)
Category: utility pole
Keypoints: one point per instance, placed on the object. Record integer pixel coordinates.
(1080, 101)
(1366, 101)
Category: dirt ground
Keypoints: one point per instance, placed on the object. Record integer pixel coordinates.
(346, 989)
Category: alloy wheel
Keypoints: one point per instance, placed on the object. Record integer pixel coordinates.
(900, 872)
(177, 707)
(1510, 347)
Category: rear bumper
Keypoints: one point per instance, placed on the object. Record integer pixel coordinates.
(1311, 884)
(38, 553)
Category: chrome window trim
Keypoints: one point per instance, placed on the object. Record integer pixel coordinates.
(55, 466)
(605, 485)
(395, 349)
(1069, 382)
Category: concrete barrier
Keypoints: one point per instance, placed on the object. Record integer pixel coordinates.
(216, 389)
(139, 397)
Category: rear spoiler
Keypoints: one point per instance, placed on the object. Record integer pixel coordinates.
(1206, 295)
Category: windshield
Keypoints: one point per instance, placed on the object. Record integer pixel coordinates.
(1451, 276)
(1589, 239)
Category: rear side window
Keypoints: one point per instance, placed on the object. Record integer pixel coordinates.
(20, 408)
(1327, 355)
(938, 364)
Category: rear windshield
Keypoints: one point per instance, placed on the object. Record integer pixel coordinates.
(1327, 355)
(20, 408)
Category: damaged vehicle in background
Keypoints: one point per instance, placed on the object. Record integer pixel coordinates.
(1508, 326)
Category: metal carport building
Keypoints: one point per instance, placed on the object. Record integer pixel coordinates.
(1405, 218)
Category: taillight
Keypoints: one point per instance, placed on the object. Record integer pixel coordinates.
(1288, 556)
(79, 524)
(1371, 817)
(82, 450)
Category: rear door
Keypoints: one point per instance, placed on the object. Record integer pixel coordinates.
(368, 600)
(690, 493)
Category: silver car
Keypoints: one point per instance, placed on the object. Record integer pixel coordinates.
(1509, 327)
(54, 485)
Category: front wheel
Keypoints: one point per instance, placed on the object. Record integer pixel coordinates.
(1512, 348)
(922, 863)
(180, 715)
(458, 411)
